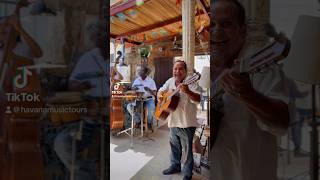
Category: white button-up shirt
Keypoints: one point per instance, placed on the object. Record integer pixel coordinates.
(186, 113)
(147, 82)
(92, 63)
(246, 149)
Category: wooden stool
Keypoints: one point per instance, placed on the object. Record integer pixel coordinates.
(145, 118)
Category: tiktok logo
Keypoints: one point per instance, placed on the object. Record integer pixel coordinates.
(21, 80)
(116, 86)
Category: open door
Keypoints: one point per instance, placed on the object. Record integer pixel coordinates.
(163, 70)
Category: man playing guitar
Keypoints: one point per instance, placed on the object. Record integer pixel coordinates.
(182, 122)
(254, 107)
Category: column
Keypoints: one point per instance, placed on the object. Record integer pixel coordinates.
(258, 14)
(188, 33)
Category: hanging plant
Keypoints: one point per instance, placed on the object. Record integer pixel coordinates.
(145, 51)
(139, 2)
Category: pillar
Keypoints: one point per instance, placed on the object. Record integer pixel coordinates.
(188, 33)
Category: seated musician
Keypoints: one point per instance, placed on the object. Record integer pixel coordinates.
(183, 121)
(91, 63)
(146, 85)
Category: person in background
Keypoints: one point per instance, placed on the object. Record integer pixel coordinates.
(91, 64)
(301, 97)
(147, 86)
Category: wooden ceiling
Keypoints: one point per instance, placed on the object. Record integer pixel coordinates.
(154, 20)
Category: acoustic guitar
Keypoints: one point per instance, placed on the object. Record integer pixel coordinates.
(171, 99)
(260, 61)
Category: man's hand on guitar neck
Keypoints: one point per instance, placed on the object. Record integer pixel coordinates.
(184, 88)
(272, 112)
(236, 84)
(193, 96)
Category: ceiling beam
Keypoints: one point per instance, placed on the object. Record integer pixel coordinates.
(132, 41)
(165, 38)
(128, 40)
(171, 37)
(205, 8)
(122, 7)
(154, 26)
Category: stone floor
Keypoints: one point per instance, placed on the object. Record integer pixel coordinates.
(296, 169)
(148, 157)
(289, 166)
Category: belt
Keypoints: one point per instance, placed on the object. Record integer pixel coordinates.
(149, 97)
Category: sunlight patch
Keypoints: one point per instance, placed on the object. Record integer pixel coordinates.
(126, 164)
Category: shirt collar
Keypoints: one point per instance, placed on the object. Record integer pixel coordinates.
(144, 79)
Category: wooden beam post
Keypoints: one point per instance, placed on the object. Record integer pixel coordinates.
(258, 14)
(188, 33)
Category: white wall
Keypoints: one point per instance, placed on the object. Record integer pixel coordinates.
(285, 13)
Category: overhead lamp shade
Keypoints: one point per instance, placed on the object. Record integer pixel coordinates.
(204, 81)
(303, 62)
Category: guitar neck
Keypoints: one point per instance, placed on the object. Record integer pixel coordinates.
(262, 59)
